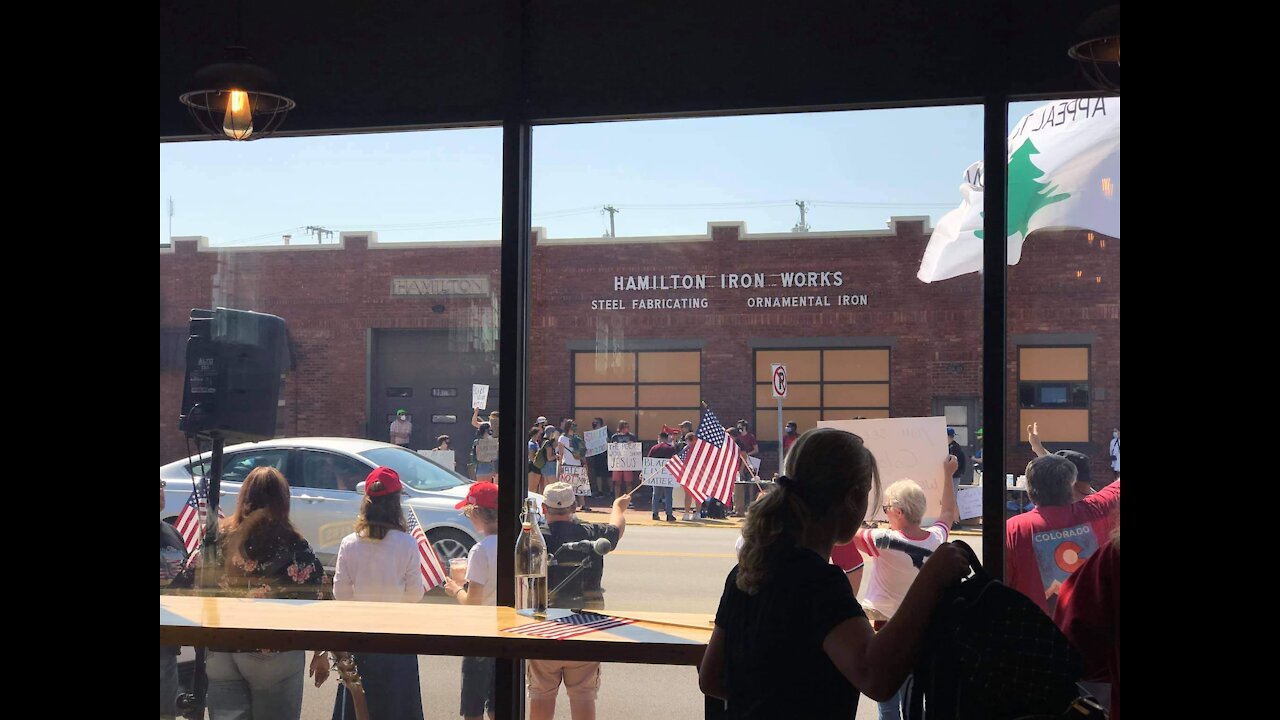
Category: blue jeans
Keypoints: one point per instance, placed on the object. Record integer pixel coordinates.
(168, 682)
(660, 495)
(255, 685)
(891, 709)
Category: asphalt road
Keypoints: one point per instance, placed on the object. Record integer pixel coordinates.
(669, 568)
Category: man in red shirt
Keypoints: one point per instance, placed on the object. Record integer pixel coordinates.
(1089, 615)
(789, 436)
(1043, 547)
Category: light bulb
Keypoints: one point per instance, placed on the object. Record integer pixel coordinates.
(238, 122)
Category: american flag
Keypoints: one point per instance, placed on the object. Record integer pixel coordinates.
(709, 465)
(433, 573)
(192, 518)
(570, 626)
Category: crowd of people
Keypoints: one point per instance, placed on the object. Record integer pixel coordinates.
(801, 562)
(791, 595)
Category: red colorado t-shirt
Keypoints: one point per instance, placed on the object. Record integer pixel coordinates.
(1043, 547)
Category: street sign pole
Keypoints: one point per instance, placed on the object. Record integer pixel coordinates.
(780, 456)
(778, 383)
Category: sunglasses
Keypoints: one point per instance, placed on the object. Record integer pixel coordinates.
(885, 509)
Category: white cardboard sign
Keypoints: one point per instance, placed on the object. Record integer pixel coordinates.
(576, 475)
(969, 501)
(441, 457)
(625, 456)
(911, 447)
(596, 440)
(479, 396)
(656, 474)
(487, 450)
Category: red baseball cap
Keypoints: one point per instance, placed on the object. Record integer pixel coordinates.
(389, 478)
(482, 494)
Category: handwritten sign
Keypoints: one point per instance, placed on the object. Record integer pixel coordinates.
(596, 441)
(479, 396)
(655, 473)
(754, 462)
(487, 450)
(576, 475)
(444, 458)
(969, 500)
(913, 447)
(625, 456)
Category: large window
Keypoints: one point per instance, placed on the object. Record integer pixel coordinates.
(381, 254)
(837, 384)
(646, 389)
(710, 249)
(1053, 391)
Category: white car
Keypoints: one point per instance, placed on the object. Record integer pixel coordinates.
(323, 473)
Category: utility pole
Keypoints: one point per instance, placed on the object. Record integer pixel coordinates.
(319, 232)
(802, 226)
(611, 210)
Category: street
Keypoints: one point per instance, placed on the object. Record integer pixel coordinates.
(669, 569)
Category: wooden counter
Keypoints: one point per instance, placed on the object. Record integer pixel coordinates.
(422, 629)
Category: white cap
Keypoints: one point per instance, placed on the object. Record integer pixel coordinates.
(541, 419)
(559, 495)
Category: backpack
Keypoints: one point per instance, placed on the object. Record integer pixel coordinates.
(991, 653)
(540, 457)
(577, 447)
(713, 508)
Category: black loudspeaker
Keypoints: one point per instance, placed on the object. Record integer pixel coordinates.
(232, 383)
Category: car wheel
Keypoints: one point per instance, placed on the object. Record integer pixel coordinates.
(450, 544)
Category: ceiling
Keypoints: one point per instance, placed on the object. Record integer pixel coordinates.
(398, 63)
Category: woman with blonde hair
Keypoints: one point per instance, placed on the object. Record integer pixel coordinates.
(380, 562)
(893, 572)
(263, 557)
(784, 600)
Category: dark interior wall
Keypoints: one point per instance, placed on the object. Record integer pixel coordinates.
(387, 63)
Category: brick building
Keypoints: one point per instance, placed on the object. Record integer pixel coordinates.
(644, 328)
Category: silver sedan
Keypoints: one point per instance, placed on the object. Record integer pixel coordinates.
(323, 474)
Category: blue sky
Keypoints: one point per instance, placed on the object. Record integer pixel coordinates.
(854, 168)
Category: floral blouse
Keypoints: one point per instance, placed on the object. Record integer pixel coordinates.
(286, 570)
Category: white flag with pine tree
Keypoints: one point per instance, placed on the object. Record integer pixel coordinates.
(1064, 172)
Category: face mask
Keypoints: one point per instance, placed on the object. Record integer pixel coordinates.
(1115, 434)
(400, 418)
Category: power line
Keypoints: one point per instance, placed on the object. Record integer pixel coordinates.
(874, 205)
(570, 212)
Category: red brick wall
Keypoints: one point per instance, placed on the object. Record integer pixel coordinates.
(331, 299)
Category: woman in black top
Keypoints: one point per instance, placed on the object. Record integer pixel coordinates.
(790, 639)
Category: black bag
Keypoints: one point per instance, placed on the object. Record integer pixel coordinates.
(990, 653)
(713, 508)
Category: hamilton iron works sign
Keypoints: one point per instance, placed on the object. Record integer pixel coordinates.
(797, 289)
(437, 286)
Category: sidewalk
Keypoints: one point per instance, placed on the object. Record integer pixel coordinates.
(641, 517)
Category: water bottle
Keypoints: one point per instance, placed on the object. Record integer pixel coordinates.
(531, 564)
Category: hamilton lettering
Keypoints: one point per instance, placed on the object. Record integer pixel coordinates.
(659, 282)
